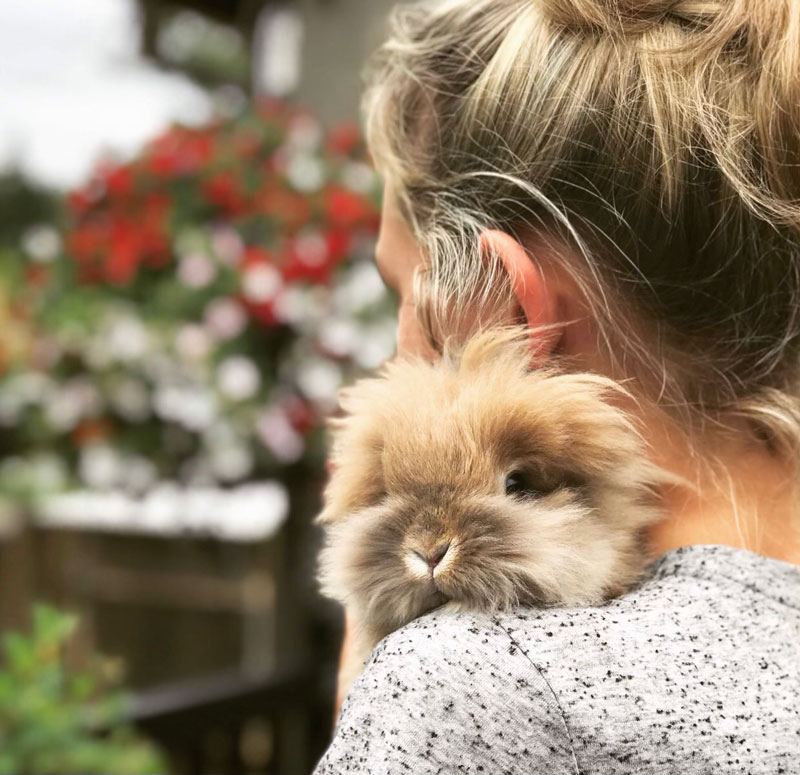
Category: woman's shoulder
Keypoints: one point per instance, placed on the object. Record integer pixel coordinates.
(654, 670)
(448, 693)
(725, 603)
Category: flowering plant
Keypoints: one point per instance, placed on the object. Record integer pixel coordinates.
(196, 310)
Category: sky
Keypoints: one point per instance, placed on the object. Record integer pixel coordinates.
(72, 88)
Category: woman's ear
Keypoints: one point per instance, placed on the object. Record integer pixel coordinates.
(538, 303)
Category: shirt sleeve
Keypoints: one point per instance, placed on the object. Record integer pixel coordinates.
(450, 693)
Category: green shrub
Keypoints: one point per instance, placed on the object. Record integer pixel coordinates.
(59, 718)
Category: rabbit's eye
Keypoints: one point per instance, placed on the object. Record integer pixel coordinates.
(520, 483)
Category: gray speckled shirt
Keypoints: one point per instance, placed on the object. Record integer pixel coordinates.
(694, 672)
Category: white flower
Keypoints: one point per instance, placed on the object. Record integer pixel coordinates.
(41, 243)
(361, 288)
(49, 473)
(196, 270)
(127, 338)
(358, 177)
(311, 248)
(238, 378)
(231, 463)
(279, 436)
(75, 399)
(378, 342)
(130, 399)
(261, 282)
(305, 173)
(32, 387)
(340, 337)
(227, 245)
(225, 319)
(100, 466)
(62, 412)
(192, 407)
(22, 390)
(302, 307)
(199, 409)
(319, 379)
(305, 133)
(140, 474)
(192, 342)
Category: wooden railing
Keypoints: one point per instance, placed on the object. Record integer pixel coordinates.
(228, 724)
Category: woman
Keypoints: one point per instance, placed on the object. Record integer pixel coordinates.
(625, 175)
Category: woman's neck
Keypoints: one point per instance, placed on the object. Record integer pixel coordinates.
(744, 495)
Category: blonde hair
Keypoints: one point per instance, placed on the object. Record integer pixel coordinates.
(660, 139)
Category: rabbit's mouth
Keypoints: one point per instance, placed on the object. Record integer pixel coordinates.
(433, 598)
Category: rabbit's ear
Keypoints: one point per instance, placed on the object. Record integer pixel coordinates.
(355, 469)
(356, 450)
(347, 493)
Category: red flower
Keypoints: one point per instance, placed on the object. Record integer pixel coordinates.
(304, 263)
(301, 414)
(118, 181)
(254, 254)
(347, 209)
(263, 312)
(339, 241)
(196, 152)
(155, 209)
(292, 209)
(87, 240)
(179, 152)
(124, 253)
(80, 201)
(224, 192)
(344, 138)
(155, 247)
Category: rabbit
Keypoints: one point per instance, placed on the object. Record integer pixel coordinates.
(479, 483)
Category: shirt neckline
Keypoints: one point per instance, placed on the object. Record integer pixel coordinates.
(773, 578)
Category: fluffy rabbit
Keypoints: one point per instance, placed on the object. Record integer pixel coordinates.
(479, 483)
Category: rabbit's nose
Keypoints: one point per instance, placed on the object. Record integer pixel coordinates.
(435, 556)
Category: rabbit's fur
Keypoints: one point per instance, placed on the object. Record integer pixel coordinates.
(421, 465)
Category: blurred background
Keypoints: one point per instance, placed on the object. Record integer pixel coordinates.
(187, 220)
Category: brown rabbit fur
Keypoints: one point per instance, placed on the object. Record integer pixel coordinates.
(482, 484)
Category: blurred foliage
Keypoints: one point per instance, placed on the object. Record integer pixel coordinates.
(58, 718)
(23, 205)
(210, 52)
(189, 315)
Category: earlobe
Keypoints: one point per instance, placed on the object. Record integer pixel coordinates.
(537, 302)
